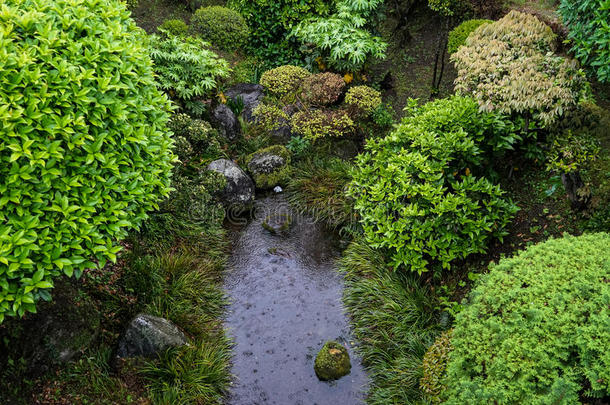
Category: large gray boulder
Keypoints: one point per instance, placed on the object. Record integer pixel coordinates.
(226, 122)
(239, 191)
(251, 94)
(147, 335)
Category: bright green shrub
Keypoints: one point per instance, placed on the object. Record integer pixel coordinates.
(284, 81)
(271, 21)
(416, 195)
(589, 25)
(84, 147)
(435, 368)
(315, 124)
(270, 117)
(536, 329)
(221, 26)
(186, 69)
(342, 37)
(508, 66)
(458, 35)
(363, 98)
(322, 88)
(174, 27)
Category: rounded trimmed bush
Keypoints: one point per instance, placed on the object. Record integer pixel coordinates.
(323, 88)
(221, 26)
(174, 27)
(284, 80)
(537, 327)
(363, 98)
(84, 147)
(458, 35)
(315, 124)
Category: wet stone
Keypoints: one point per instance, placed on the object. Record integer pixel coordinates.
(277, 223)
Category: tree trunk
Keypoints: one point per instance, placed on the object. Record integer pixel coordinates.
(578, 194)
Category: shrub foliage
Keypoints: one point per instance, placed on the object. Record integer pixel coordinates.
(458, 35)
(536, 328)
(221, 26)
(416, 194)
(84, 148)
(589, 25)
(284, 81)
(508, 66)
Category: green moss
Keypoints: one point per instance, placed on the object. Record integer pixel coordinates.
(265, 179)
(332, 362)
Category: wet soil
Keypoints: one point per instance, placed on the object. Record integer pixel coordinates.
(286, 302)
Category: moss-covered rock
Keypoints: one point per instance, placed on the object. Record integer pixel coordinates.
(277, 223)
(270, 166)
(332, 362)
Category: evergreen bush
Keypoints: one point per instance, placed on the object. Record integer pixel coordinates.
(85, 151)
(536, 328)
(458, 35)
(221, 26)
(284, 81)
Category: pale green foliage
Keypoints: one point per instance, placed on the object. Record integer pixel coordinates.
(84, 147)
(508, 67)
(342, 36)
(415, 192)
(284, 81)
(589, 25)
(270, 117)
(315, 124)
(536, 328)
(186, 69)
(363, 98)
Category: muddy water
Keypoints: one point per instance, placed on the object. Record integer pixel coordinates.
(286, 302)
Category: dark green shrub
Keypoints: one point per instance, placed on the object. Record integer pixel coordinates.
(270, 23)
(84, 148)
(221, 26)
(458, 35)
(200, 139)
(415, 192)
(284, 81)
(322, 88)
(435, 368)
(186, 69)
(174, 27)
(535, 330)
(587, 21)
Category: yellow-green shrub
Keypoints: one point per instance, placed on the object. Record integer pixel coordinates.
(363, 98)
(221, 26)
(435, 368)
(84, 147)
(285, 80)
(314, 124)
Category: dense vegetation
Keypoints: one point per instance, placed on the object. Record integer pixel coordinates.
(469, 276)
(85, 152)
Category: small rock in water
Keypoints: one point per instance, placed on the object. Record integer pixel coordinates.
(277, 223)
(332, 362)
(278, 189)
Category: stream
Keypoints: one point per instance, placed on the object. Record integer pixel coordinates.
(285, 297)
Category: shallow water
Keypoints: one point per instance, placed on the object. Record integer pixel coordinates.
(286, 302)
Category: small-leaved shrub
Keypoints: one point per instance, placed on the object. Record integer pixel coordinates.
(201, 138)
(315, 124)
(174, 27)
(417, 195)
(535, 330)
(284, 81)
(435, 368)
(364, 99)
(458, 35)
(85, 151)
(221, 26)
(322, 89)
(270, 117)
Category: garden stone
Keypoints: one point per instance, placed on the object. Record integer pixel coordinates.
(332, 362)
(269, 166)
(226, 122)
(239, 191)
(277, 223)
(147, 335)
(251, 94)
